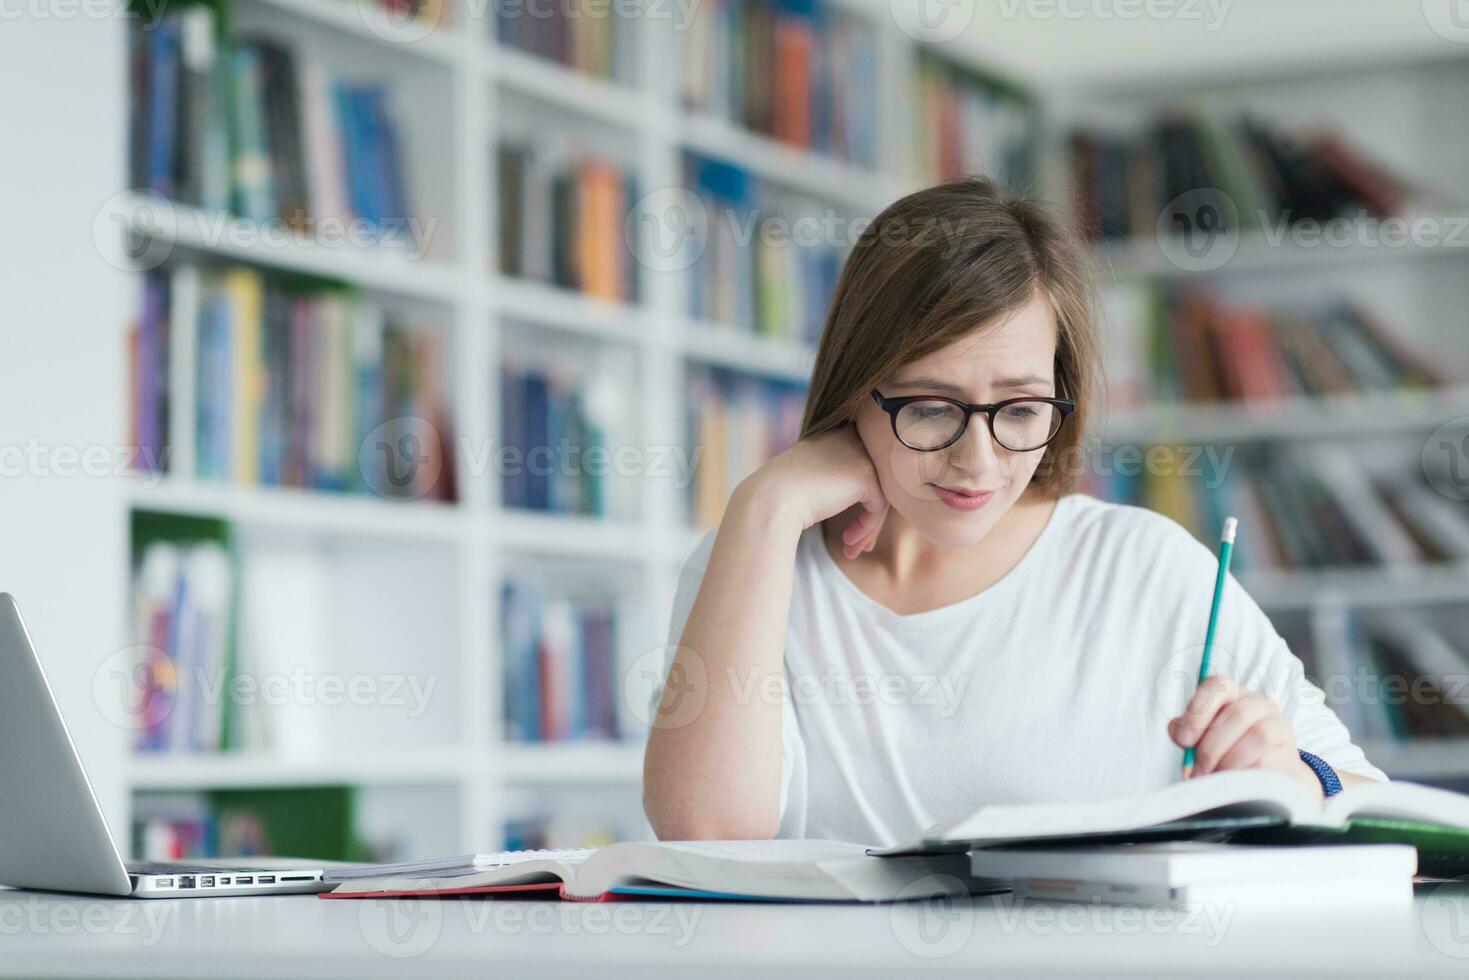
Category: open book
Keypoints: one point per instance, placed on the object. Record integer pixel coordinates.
(1252, 805)
(786, 870)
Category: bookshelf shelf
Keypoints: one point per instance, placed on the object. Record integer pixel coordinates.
(546, 81)
(303, 510)
(1358, 587)
(817, 175)
(570, 763)
(241, 771)
(536, 303)
(385, 270)
(369, 23)
(1367, 244)
(573, 535)
(1371, 413)
(723, 346)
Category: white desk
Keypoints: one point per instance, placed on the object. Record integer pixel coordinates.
(302, 936)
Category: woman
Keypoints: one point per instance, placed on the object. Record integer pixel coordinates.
(910, 613)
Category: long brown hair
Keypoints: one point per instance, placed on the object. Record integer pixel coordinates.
(931, 268)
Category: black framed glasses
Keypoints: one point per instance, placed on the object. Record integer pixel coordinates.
(929, 423)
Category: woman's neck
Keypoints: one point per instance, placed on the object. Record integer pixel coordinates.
(908, 573)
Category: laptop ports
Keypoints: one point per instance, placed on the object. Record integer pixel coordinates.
(206, 881)
(244, 879)
(186, 881)
(265, 879)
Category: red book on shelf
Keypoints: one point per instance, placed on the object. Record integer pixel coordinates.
(794, 44)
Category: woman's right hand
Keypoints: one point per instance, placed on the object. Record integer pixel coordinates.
(822, 477)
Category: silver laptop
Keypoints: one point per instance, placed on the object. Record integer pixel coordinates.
(52, 832)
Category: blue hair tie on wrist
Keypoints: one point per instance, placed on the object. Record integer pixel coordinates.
(1330, 782)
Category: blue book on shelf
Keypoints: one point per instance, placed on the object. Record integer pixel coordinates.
(537, 432)
(163, 97)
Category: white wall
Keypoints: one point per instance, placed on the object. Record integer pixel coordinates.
(63, 310)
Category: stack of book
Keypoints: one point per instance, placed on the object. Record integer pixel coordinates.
(799, 71)
(1249, 175)
(242, 126)
(563, 219)
(1313, 508)
(770, 266)
(183, 606)
(969, 124)
(561, 680)
(289, 383)
(582, 34)
(737, 422)
(561, 436)
(1193, 346)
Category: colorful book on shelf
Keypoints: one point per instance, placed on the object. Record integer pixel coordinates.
(237, 124)
(1251, 173)
(968, 123)
(289, 380)
(1246, 806)
(771, 870)
(799, 71)
(563, 218)
(739, 422)
(560, 665)
(183, 620)
(316, 822)
(775, 285)
(602, 46)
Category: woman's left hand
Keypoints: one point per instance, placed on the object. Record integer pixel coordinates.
(1231, 728)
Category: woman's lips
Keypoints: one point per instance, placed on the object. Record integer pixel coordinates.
(963, 500)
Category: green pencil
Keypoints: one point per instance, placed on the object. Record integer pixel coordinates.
(1226, 547)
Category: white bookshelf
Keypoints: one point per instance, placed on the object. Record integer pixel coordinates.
(468, 90)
